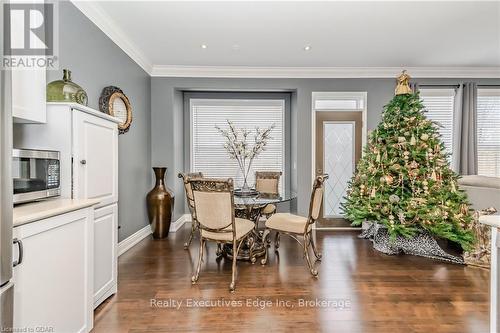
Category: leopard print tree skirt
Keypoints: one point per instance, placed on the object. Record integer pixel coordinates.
(422, 244)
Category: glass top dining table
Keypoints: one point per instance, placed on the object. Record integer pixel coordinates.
(263, 199)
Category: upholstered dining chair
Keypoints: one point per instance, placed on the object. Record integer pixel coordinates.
(267, 182)
(186, 178)
(295, 226)
(214, 209)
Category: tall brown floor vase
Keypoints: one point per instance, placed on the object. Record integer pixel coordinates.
(160, 202)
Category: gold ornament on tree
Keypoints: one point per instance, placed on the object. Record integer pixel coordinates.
(464, 209)
(403, 84)
(413, 141)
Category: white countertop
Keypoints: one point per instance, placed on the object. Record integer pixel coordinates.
(491, 220)
(31, 212)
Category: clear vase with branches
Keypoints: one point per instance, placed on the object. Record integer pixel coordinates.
(241, 149)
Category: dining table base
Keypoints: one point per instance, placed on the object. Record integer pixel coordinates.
(254, 246)
(250, 251)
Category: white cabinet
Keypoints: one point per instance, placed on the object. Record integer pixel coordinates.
(28, 95)
(95, 158)
(95, 176)
(88, 142)
(105, 252)
(54, 281)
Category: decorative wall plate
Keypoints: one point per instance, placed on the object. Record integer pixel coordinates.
(115, 103)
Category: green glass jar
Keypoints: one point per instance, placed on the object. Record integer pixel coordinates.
(66, 91)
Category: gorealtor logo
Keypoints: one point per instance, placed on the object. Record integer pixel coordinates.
(30, 35)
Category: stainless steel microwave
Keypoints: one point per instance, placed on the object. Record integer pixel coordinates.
(36, 174)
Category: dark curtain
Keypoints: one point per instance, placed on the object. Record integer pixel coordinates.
(465, 138)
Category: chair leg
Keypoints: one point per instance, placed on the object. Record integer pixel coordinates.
(317, 254)
(195, 277)
(190, 239)
(251, 244)
(277, 241)
(306, 254)
(265, 236)
(219, 252)
(233, 277)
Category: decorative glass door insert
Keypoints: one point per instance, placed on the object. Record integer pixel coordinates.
(338, 162)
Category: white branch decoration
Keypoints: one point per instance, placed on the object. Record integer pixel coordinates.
(242, 151)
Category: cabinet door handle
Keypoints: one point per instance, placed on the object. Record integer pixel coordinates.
(83, 162)
(21, 252)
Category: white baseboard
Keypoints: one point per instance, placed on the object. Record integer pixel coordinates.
(111, 291)
(135, 238)
(180, 222)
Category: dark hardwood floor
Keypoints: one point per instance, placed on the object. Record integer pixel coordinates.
(364, 291)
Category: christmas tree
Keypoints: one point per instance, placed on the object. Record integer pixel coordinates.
(404, 180)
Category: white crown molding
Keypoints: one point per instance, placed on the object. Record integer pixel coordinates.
(92, 11)
(322, 72)
(102, 20)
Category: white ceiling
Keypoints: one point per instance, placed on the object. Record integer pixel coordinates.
(273, 34)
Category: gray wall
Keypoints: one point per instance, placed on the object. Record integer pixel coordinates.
(166, 96)
(96, 62)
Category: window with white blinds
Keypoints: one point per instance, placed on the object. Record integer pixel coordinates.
(488, 132)
(207, 144)
(439, 104)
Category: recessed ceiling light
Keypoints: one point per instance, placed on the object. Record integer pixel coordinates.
(307, 48)
(204, 46)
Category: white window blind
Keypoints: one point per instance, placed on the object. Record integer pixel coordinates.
(488, 132)
(207, 144)
(439, 104)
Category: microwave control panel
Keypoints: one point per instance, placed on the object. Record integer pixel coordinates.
(53, 174)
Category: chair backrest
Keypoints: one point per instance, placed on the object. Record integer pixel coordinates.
(316, 198)
(214, 203)
(186, 179)
(267, 181)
